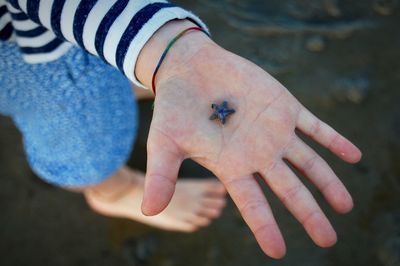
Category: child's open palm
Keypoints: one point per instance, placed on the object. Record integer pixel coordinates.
(260, 137)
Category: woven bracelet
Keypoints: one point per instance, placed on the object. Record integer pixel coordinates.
(170, 44)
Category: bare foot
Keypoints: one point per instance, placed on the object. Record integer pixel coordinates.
(194, 204)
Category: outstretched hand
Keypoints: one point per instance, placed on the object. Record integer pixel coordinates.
(259, 138)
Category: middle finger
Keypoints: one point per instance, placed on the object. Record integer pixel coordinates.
(299, 201)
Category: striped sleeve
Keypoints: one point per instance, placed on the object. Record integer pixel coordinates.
(6, 29)
(114, 30)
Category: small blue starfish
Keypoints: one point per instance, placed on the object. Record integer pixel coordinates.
(221, 112)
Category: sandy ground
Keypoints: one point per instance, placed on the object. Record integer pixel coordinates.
(340, 58)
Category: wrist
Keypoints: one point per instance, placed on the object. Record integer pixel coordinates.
(181, 51)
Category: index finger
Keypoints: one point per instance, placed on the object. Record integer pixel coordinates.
(255, 210)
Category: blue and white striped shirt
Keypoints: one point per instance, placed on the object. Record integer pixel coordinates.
(114, 30)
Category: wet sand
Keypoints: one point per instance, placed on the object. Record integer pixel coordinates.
(340, 58)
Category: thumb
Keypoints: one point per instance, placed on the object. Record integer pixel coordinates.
(163, 163)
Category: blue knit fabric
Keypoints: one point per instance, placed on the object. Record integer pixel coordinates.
(77, 115)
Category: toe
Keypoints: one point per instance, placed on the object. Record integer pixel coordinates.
(189, 228)
(182, 225)
(211, 213)
(215, 203)
(215, 188)
(200, 221)
(207, 186)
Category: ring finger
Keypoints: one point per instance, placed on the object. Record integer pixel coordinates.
(320, 174)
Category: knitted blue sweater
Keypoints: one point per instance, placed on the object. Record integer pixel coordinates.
(76, 113)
